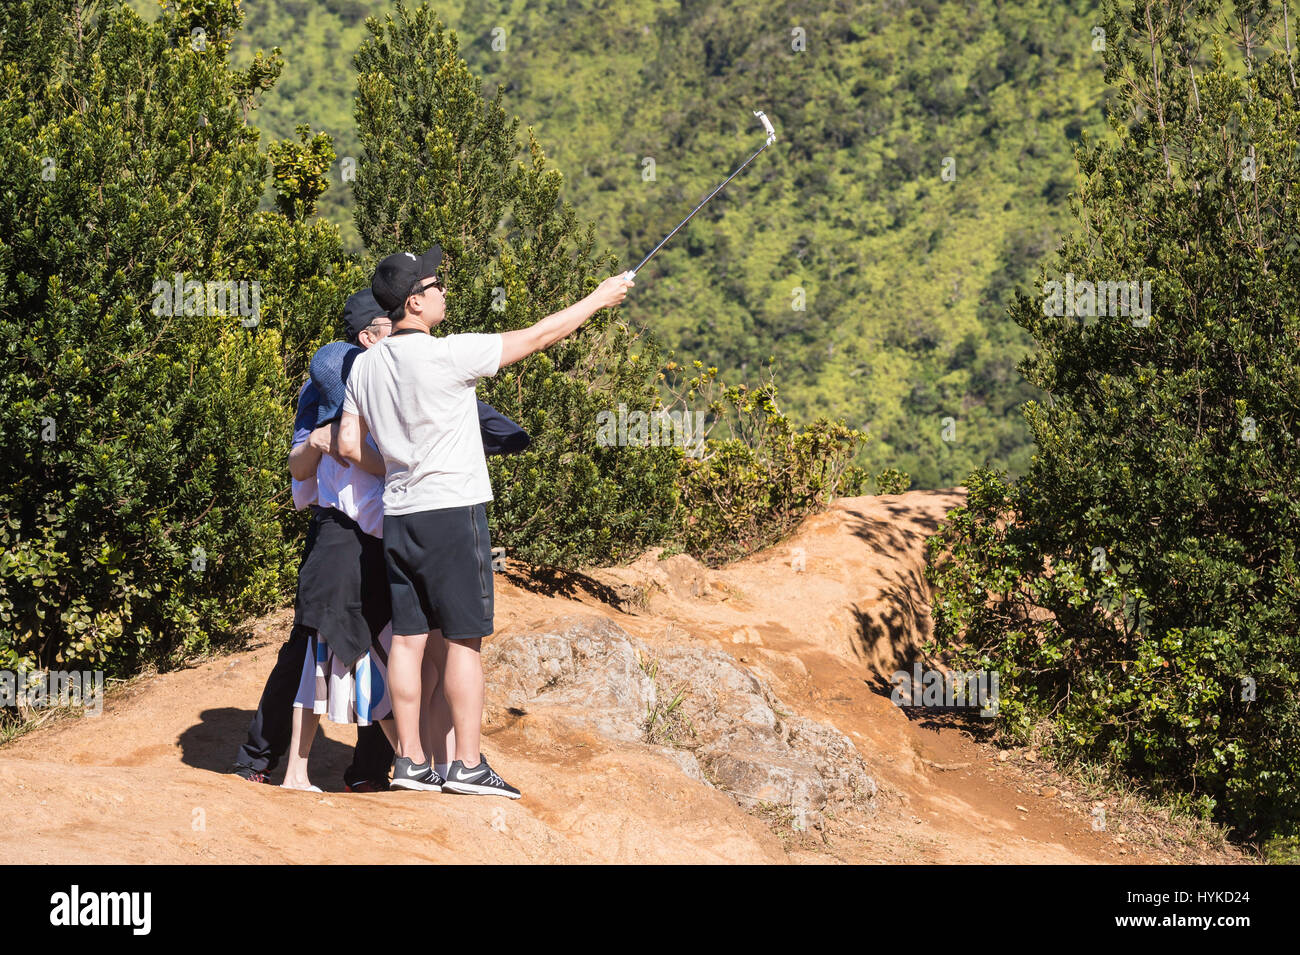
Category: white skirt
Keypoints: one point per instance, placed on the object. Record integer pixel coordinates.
(347, 695)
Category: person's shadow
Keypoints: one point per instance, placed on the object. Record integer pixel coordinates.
(212, 743)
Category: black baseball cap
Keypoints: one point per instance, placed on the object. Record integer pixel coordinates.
(397, 275)
(360, 312)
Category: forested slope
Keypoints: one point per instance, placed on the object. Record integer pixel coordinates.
(902, 272)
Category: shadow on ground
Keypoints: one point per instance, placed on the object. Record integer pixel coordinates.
(212, 744)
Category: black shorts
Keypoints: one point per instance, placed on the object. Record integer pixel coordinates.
(440, 572)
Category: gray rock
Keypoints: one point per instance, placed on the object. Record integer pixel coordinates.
(584, 663)
(730, 729)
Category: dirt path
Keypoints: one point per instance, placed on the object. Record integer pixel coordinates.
(146, 781)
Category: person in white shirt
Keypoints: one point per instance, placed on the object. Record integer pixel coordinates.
(415, 395)
(270, 731)
(343, 591)
(343, 594)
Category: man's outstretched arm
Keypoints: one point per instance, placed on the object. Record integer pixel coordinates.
(523, 342)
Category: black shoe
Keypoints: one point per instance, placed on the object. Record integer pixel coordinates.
(478, 780)
(253, 776)
(408, 775)
(366, 786)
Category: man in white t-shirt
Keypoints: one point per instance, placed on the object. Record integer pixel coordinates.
(415, 395)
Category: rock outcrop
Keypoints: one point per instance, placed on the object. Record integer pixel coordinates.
(707, 713)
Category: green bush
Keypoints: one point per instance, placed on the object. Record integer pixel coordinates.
(751, 488)
(1138, 589)
(892, 481)
(142, 436)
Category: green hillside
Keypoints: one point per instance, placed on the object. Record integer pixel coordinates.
(904, 274)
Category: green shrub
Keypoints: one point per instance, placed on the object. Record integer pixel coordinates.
(143, 497)
(750, 489)
(892, 481)
(1139, 589)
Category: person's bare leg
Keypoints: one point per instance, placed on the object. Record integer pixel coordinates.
(435, 659)
(305, 722)
(405, 675)
(437, 733)
(464, 692)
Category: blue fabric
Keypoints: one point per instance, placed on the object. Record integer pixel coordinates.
(329, 373)
(304, 422)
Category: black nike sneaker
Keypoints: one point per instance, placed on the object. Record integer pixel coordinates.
(478, 780)
(409, 775)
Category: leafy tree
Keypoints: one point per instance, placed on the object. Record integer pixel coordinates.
(142, 424)
(440, 164)
(1138, 587)
(300, 170)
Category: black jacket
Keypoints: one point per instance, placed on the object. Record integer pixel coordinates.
(500, 434)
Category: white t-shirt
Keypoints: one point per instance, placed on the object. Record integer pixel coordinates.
(354, 491)
(416, 395)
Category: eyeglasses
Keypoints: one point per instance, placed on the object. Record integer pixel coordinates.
(380, 323)
(435, 283)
